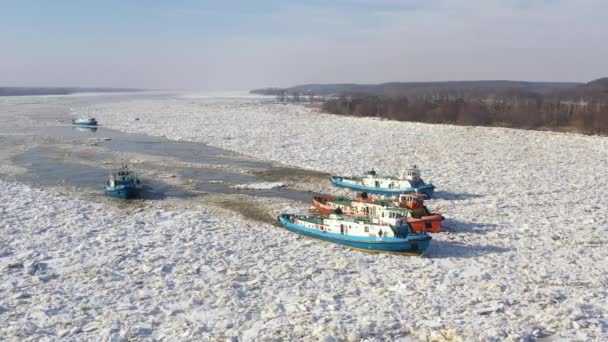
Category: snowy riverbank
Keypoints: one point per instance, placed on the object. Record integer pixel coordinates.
(523, 254)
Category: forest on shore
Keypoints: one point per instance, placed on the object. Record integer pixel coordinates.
(573, 107)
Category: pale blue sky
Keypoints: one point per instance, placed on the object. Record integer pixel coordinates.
(243, 44)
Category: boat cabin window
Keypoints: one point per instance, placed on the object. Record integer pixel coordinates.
(366, 229)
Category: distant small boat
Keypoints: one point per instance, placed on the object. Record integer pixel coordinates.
(385, 185)
(84, 122)
(416, 213)
(358, 233)
(123, 184)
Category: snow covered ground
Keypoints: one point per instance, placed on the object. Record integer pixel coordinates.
(524, 253)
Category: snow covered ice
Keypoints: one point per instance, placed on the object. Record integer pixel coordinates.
(523, 255)
(261, 186)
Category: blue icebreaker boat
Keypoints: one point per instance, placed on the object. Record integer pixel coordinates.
(84, 122)
(123, 184)
(359, 233)
(387, 186)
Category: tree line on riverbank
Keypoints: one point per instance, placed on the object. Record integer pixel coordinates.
(583, 108)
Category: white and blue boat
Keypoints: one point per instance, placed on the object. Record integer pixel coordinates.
(409, 182)
(123, 184)
(359, 233)
(84, 122)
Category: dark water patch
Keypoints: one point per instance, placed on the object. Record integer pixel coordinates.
(51, 166)
(216, 170)
(156, 190)
(216, 176)
(144, 144)
(50, 173)
(278, 173)
(47, 169)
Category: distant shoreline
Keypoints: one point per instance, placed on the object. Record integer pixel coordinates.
(563, 107)
(32, 91)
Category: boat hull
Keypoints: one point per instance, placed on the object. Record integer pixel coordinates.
(412, 244)
(427, 189)
(85, 128)
(84, 123)
(122, 193)
(326, 209)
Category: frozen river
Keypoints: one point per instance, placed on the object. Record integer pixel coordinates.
(523, 254)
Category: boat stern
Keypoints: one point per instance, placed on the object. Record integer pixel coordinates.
(420, 242)
(122, 193)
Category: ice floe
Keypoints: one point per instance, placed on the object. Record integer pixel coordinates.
(261, 186)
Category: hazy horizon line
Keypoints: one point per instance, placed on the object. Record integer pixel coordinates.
(261, 86)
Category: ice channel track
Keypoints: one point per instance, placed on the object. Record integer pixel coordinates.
(524, 254)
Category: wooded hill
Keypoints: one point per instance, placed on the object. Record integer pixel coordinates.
(452, 88)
